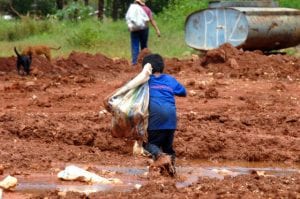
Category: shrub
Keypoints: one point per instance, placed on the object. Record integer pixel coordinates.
(176, 13)
(86, 35)
(75, 11)
(20, 29)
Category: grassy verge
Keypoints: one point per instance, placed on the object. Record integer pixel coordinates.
(109, 38)
(289, 3)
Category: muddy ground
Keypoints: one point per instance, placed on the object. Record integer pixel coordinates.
(241, 106)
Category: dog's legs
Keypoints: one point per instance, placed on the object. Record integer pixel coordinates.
(48, 56)
(27, 66)
(18, 67)
(27, 71)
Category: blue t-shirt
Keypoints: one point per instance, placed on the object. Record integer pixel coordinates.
(162, 109)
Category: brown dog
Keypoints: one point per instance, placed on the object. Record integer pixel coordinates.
(39, 50)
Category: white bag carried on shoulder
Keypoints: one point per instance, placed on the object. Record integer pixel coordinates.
(136, 18)
(129, 106)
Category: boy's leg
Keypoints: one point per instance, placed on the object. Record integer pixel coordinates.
(163, 161)
(154, 143)
(167, 148)
(167, 145)
(135, 46)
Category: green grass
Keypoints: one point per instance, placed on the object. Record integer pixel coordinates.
(289, 3)
(109, 38)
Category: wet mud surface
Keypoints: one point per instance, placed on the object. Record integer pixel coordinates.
(241, 106)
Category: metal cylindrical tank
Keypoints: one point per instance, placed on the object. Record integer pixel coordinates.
(242, 3)
(246, 27)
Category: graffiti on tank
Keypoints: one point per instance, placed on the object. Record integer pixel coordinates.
(219, 26)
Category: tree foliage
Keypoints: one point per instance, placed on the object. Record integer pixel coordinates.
(39, 7)
(117, 8)
(75, 11)
(4, 5)
(114, 9)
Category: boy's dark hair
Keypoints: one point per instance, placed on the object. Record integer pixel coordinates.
(156, 61)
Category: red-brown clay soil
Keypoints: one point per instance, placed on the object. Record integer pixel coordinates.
(241, 106)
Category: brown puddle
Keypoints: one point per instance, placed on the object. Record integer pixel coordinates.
(133, 177)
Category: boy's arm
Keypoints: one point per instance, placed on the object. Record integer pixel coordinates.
(180, 90)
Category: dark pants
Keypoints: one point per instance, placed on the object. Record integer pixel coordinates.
(160, 141)
(139, 39)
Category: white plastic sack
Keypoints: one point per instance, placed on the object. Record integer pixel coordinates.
(136, 18)
(77, 174)
(129, 106)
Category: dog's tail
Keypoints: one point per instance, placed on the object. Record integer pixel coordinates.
(55, 48)
(17, 53)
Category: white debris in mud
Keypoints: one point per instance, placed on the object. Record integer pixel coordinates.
(9, 183)
(86, 191)
(77, 174)
(192, 93)
(102, 113)
(137, 186)
(223, 172)
(138, 149)
(260, 173)
(34, 97)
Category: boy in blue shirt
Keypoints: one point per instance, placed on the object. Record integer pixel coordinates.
(162, 114)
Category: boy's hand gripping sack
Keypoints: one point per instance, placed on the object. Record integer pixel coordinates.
(129, 106)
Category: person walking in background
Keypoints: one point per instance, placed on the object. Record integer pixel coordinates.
(162, 121)
(138, 17)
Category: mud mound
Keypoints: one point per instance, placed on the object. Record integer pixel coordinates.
(7, 64)
(85, 64)
(226, 60)
(77, 63)
(98, 61)
(39, 64)
(238, 63)
(175, 65)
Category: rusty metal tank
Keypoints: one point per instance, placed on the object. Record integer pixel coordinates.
(264, 28)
